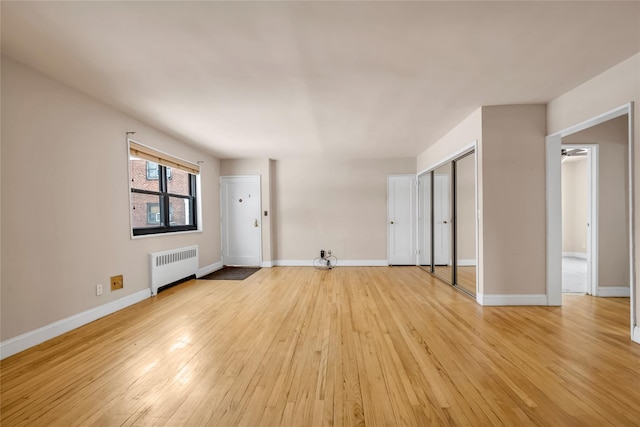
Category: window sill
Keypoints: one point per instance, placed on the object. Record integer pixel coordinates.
(145, 236)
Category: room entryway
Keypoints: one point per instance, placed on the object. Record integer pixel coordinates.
(606, 230)
(579, 218)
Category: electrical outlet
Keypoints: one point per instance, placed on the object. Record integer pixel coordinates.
(117, 282)
(99, 289)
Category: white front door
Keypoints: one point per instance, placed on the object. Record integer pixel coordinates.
(400, 224)
(441, 220)
(241, 221)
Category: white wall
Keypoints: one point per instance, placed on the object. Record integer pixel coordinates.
(574, 206)
(333, 203)
(65, 202)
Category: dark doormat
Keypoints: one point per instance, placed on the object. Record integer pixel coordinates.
(231, 273)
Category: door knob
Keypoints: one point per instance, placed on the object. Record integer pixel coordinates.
(392, 222)
(255, 222)
(444, 222)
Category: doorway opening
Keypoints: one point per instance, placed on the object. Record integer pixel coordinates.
(611, 243)
(579, 187)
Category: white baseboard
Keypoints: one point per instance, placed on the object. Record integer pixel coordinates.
(614, 291)
(30, 339)
(266, 264)
(513, 299)
(209, 269)
(364, 263)
(341, 263)
(581, 255)
(466, 262)
(635, 337)
(293, 263)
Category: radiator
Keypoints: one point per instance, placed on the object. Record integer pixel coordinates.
(171, 266)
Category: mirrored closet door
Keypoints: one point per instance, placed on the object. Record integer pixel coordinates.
(465, 223)
(447, 222)
(442, 223)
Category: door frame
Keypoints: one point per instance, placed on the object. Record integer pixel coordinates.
(554, 208)
(593, 189)
(222, 207)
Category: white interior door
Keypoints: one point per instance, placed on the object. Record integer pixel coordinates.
(400, 224)
(441, 221)
(241, 220)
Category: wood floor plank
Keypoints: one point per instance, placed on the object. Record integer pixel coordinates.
(295, 346)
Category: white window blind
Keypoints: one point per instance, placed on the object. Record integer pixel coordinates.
(147, 153)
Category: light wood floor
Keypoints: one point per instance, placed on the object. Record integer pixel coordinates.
(466, 276)
(349, 346)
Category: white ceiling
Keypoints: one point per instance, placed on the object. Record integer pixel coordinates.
(282, 79)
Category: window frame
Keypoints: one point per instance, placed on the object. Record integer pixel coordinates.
(164, 175)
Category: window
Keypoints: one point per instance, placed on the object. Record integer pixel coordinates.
(163, 192)
(153, 213)
(152, 170)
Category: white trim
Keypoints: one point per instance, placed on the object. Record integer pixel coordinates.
(341, 263)
(632, 226)
(30, 339)
(594, 121)
(293, 263)
(266, 264)
(209, 269)
(456, 154)
(466, 263)
(580, 255)
(363, 263)
(513, 299)
(635, 334)
(614, 291)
